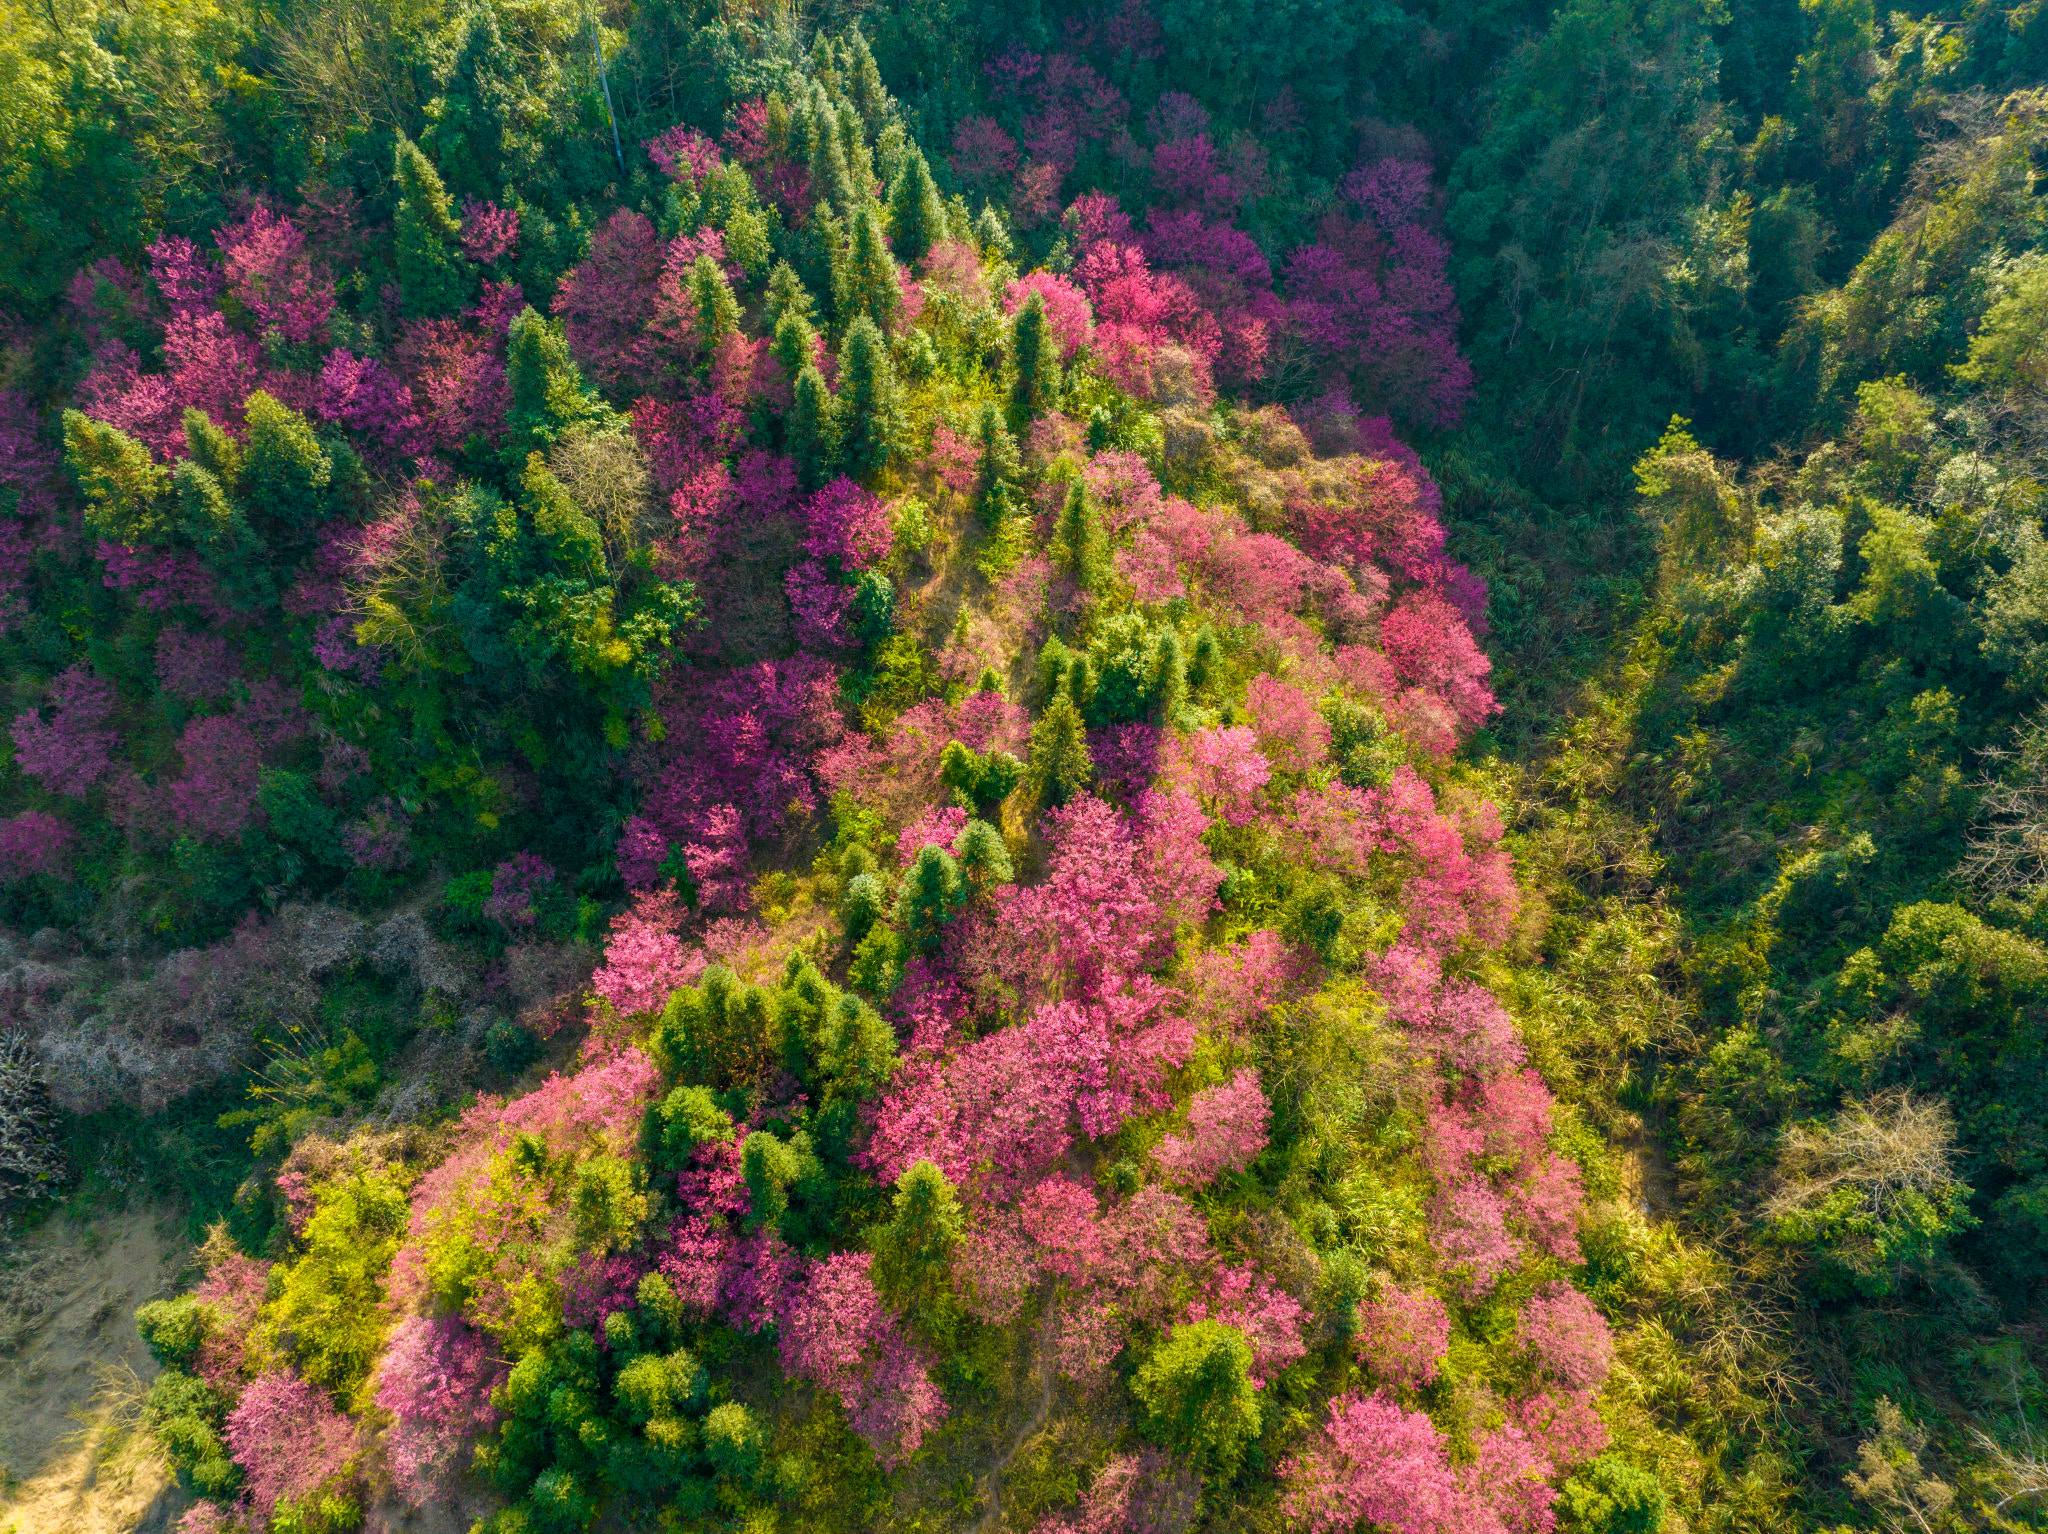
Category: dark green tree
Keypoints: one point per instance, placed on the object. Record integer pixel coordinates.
(1035, 365)
(917, 216)
(814, 428)
(433, 277)
(871, 400)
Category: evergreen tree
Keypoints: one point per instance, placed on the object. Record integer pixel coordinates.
(120, 481)
(1035, 364)
(747, 240)
(932, 891)
(860, 165)
(864, 80)
(914, 1251)
(1169, 678)
(287, 476)
(892, 149)
(1079, 538)
(834, 259)
(916, 213)
(787, 295)
(718, 312)
(996, 475)
(871, 402)
(991, 233)
(831, 177)
(1198, 1394)
(814, 428)
(547, 394)
(564, 535)
(1205, 660)
(984, 860)
(871, 272)
(433, 277)
(795, 344)
(472, 132)
(1060, 764)
(211, 448)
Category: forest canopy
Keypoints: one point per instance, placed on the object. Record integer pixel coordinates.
(1079, 769)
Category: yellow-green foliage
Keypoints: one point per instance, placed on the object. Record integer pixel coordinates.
(327, 1311)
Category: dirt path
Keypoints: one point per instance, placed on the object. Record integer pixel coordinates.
(73, 1374)
(992, 1480)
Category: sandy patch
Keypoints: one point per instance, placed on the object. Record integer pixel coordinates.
(73, 1458)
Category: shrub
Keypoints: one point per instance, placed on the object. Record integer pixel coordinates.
(1197, 1394)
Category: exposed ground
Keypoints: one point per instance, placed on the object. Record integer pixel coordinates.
(73, 1458)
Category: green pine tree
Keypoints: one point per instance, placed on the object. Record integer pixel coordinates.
(795, 344)
(1035, 365)
(718, 312)
(864, 80)
(916, 213)
(831, 177)
(814, 428)
(547, 391)
(995, 476)
(286, 476)
(433, 276)
(872, 400)
(1079, 538)
(871, 271)
(787, 295)
(1060, 765)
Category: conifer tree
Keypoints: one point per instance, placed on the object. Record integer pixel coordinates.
(432, 275)
(563, 531)
(1198, 1397)
(787, 295)
(996, 474)
(206, 517)
(932, 891)
(795, 344)
(1080, 537)
(284, 471)
(829, 240)
(120, 481)
(1204, 660)
(892, 148)
(984, 860)
(1060, 764)
(871, 272)
(747, 241)
(831, 177)
(991, 233)
(1169, 677)
(916, 213)
(860, 165)
(814, 428)
(871, 400)
(864, 80)
(1035, 360)
(546, 390)
(212, 448)
(914, 1251)
(718, 312)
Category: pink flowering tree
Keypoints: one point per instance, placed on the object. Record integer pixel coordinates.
(289, 1441)
(1226, 1130)
(836, 1333)
(71, 749)
(1403, 1334)
(644, 956)
(436, 1381)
